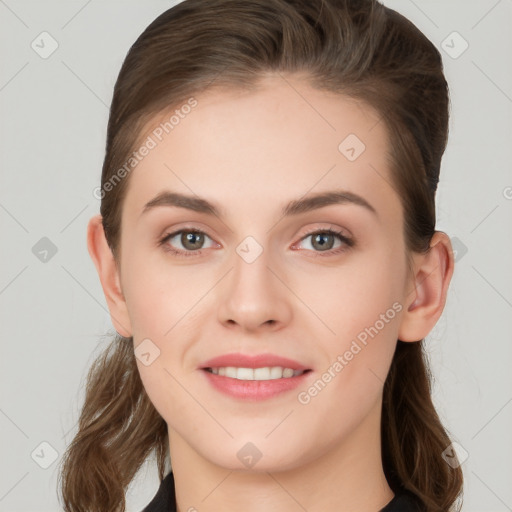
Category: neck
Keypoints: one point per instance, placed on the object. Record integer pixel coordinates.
(348, 477)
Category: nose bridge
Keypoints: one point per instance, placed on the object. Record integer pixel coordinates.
(253, 295)
(251, 264)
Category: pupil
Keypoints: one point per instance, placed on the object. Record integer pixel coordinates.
(192, 239)
(323, 244)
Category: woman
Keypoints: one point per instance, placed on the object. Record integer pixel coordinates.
(268, 253)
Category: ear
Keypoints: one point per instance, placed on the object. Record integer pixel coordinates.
(425, 302)
(108, 273)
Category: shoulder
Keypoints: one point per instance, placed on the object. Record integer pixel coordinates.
(165, 499)
(404, 501)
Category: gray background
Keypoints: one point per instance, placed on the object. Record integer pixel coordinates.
(53, 122)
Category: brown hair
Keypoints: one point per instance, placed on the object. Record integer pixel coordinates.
(358, 48)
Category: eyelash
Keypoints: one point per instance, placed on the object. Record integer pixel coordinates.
(348, 242)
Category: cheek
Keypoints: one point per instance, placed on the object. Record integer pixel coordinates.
(364, 312)
(161, 302)
(158, 295)
(361, 307)
(353, 296)
(163, 384)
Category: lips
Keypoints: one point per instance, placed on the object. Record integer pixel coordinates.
(256, 361)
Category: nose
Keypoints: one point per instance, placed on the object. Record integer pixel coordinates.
(254, 295)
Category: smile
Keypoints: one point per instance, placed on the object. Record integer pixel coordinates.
(265, 373)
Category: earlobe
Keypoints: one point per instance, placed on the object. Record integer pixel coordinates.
(432, 275)
(108, 273)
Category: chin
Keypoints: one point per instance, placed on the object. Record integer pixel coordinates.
(256, 457)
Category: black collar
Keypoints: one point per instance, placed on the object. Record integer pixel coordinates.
(165, 500)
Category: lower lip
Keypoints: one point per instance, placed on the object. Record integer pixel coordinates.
(254, 389)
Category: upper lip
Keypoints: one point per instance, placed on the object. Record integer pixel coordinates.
(255, 361)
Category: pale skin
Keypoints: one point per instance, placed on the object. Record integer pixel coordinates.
(250, 154)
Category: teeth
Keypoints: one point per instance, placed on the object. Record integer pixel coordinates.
(267, 373)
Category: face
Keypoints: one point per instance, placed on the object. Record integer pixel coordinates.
(323, 283)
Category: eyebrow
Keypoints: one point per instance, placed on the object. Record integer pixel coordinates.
(294, 207)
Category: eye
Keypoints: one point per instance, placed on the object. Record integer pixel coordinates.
(191, 240)
(323, 240)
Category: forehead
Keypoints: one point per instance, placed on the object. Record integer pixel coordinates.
(279, 141)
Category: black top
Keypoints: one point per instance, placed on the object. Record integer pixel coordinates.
(165, 500)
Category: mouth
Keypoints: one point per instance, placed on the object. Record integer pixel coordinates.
(254, 377)
(256, 374)
(255, 384)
